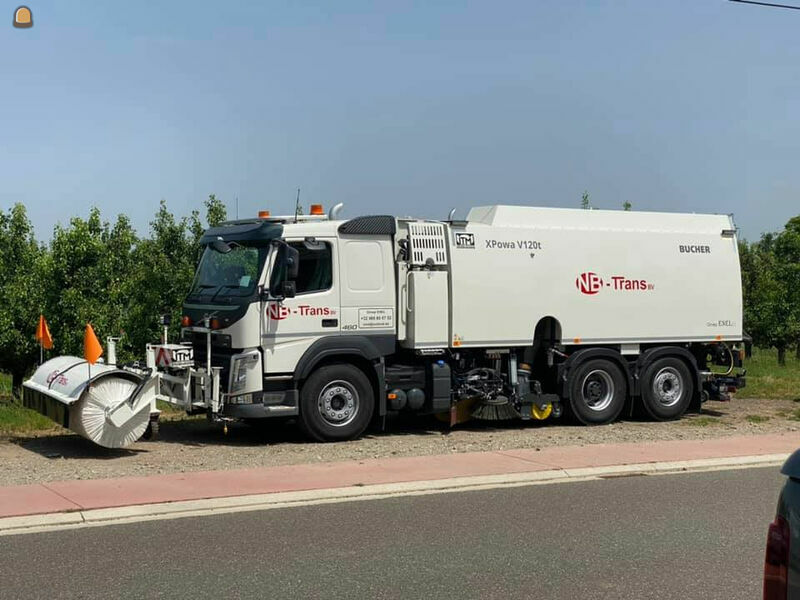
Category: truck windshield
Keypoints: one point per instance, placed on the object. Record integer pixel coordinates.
(230, 275)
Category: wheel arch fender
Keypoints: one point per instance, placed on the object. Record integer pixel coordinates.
(579, 357)
(358, 350)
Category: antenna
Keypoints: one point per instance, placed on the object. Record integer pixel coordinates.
(297, 206)
(236, 198)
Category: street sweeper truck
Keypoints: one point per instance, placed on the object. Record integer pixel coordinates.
(513, 312)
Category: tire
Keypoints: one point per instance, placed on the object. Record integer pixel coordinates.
(151, 433)
(336, 403)
(597, 391)
(667, 388)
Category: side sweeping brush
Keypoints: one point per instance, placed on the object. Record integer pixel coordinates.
(496, 409)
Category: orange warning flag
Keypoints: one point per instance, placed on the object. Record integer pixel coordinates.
(43, 334)
(92, 350)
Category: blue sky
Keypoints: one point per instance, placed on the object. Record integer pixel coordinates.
(407, 108)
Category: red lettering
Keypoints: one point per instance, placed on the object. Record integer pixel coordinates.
(588, 283)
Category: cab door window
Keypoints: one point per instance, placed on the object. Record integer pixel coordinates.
(316, 267)
(315, 273)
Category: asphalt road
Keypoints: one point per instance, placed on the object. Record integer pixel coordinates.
(698, 535)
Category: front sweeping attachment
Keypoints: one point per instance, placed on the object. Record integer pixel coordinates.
(104, 404)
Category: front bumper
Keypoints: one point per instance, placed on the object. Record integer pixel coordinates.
(278, 404)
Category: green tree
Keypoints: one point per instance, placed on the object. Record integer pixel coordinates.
(747, 264)
(770, 293)
(163, 271)
(94, 272)
(626, 205)
(585, 200)
(216, 212)
(787, 259)
(22, 265)
(88, 266)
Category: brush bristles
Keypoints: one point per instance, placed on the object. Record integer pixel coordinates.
(495, 412)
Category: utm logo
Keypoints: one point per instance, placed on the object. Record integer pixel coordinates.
(464, 240)
(23, 18)
(277, 312)
(589, 283)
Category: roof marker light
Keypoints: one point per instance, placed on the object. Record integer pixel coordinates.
(263, 214)
(316, 209)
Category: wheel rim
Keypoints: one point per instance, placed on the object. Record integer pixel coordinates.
(597, 390)
(338, 403)
(668, 387)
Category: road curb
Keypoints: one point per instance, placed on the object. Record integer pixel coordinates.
(215, 506)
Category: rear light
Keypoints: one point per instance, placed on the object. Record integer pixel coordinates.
(186, 321)
(776, 560)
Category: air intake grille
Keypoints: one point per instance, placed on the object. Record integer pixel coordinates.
(427, 242)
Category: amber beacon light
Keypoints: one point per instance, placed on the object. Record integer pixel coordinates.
(23, 17)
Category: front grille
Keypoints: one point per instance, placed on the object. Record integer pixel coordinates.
(198, 338)
(219, 358)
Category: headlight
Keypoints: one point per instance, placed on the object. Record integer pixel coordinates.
(240, 372)
(239, 379)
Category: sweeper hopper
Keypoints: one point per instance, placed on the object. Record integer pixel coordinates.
(105, 404)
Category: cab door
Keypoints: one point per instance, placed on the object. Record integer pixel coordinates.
(291, 325)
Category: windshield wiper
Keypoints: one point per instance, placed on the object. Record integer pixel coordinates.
(196, 290)
(223, 287)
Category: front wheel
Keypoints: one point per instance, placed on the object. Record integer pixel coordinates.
(597, 391)
(336, 403)
(667, 388)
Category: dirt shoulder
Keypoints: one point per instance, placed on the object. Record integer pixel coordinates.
(196, 445)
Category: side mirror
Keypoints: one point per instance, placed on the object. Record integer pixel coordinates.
(221, 246)
(287, 266)
(288, 289)
(292, 263)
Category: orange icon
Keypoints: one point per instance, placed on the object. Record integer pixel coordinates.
(23, 17)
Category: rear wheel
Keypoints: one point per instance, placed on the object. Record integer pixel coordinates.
(336, 403)
(596, 391)
(667, 388)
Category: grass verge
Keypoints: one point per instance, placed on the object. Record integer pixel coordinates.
(16, 419)
(767, 379)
